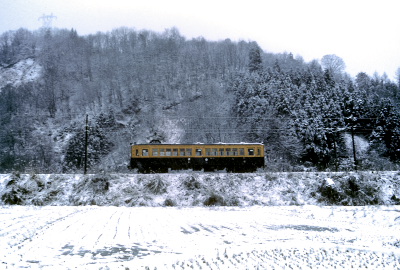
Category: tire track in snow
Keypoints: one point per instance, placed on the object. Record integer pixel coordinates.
(38, 224)
(105, 232)
(129, 225)
(101, 236)
(22, 240)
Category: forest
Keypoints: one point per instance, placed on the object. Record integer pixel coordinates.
(137, 85)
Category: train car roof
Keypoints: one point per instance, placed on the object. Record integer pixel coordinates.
(219, 143)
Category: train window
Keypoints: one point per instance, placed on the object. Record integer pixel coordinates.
(155, 152)
(182, 152)
(198, 152)
(208, 152)
(162, 152)
(137, 152)
(251, 151)
(234, 152)
(168, 152)
(175, 152)
(241, 151)
(258, 152)
(188, 152)
(221, 151)
(228, 151)
(145, 152)
(214, 152)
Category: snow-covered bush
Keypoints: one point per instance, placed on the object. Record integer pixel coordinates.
(21, 188)
(191, 183)
(31, 189)
(169, 202)
(363, 189)
(354, 189)
(91, 190)
(156, 185)
(329, 192)
(12, 193)
(214, 200)
(199, 189)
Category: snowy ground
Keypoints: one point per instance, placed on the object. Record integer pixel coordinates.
(273, 237)
(24, 71)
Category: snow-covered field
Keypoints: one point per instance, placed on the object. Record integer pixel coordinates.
(268, 237)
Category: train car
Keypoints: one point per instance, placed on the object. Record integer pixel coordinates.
(159, 158)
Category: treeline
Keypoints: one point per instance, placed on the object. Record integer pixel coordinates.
(303, 112)
(141, 85)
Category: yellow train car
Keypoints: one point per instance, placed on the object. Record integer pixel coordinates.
(242, 157)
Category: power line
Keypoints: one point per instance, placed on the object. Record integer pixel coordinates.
(264, 118)
(94, 115)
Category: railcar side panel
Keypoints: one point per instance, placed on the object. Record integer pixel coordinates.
(149, 158)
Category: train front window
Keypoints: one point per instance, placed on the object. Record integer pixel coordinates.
(198, 152)
(155, 152)
(137, 152)
(145, 152)
(251, 151)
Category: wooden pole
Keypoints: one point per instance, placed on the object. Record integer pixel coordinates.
(86, 143)
(354, 149)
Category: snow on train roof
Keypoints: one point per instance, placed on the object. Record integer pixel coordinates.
(199, 143)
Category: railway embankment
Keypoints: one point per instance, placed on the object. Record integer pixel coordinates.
(202, 189)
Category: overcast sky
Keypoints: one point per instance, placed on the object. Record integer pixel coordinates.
(364, 33)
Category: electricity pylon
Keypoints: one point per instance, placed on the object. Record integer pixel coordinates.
(47, 20)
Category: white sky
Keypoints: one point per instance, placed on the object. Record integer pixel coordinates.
(365, 33)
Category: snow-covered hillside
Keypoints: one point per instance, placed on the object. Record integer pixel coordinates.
(24, 71)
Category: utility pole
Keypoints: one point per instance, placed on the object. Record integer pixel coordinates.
(86, 143)
(354, 148)
(336, 155)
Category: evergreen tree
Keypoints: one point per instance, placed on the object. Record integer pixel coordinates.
(255, 61)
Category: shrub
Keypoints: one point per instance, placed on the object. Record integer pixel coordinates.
(15, 191)
(191, 183)
(100, 183)
(94, 184)
(352, 186)
(362, 190)
(90, 190)
(156, 185)
(395, 200)
(214, 200)
(169, 202)
(14, 179)
(329, 194)
(12, 197)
